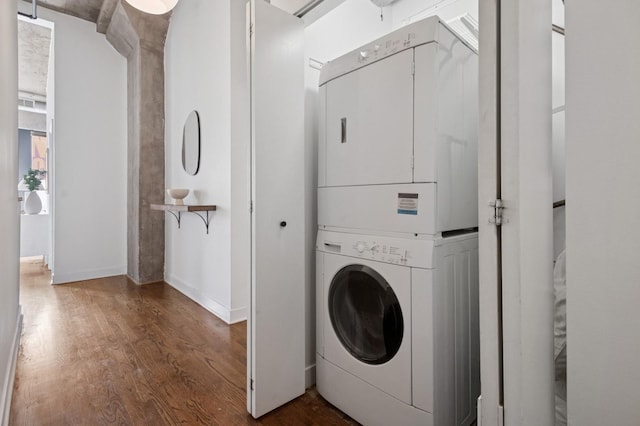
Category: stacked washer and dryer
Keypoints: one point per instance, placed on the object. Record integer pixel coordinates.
(397, 247)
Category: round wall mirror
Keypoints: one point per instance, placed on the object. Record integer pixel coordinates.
(191, 144)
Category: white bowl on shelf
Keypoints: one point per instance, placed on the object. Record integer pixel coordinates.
(178, 194)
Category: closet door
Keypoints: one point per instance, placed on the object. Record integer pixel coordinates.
(276, 339)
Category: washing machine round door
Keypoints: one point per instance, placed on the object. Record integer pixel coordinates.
(365, 314)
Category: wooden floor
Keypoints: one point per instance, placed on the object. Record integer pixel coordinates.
(109, 352)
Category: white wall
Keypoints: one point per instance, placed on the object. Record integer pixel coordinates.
(90, 156)
(603, 212)
(9, 206)
(198, 76)
(348, 26)
(408, 11)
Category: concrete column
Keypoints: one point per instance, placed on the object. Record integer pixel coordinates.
(140, 38)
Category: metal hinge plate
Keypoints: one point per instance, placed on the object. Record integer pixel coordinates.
(251, 384)
(498, 206)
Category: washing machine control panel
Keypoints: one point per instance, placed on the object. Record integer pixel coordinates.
(391, 253)
(398, 251)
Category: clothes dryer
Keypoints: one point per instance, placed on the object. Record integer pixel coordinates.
(399, 115)
(397, 327)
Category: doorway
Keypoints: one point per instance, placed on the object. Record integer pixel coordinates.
(35, 136)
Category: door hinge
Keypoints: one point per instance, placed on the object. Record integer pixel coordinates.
(498, 207)
(251, 30)
(251, 206)
(413, 68)
(251, 384)
(413, 162)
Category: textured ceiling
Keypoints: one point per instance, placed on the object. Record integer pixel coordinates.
(88, 10)
(35, 40)
(33, 57)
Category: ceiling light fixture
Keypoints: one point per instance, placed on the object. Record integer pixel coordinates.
(154, 7)
(382, 3)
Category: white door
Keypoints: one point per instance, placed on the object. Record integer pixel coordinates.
(371, 123)
(276, 339)
(516, 257)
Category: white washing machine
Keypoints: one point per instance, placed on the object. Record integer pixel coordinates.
(397, 268)
(397, 327)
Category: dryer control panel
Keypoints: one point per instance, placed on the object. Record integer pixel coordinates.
(399, 251)
(407, 37)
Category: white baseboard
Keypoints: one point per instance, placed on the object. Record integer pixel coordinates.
(239, 315)
(90, 274)
(230, 316)
(10, 372)
(309, 376)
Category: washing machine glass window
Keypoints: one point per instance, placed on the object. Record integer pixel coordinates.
(365, 314)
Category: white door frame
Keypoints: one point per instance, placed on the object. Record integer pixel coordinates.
(489, 234)
(516, 258)
(10, 316)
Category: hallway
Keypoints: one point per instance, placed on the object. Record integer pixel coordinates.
(106, 351)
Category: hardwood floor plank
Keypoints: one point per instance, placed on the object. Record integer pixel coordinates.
(109, 352)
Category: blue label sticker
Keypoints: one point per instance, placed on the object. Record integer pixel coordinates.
(408, 203)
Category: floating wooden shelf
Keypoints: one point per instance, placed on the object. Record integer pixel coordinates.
(202, 211)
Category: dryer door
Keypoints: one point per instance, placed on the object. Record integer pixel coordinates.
(369, 124)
